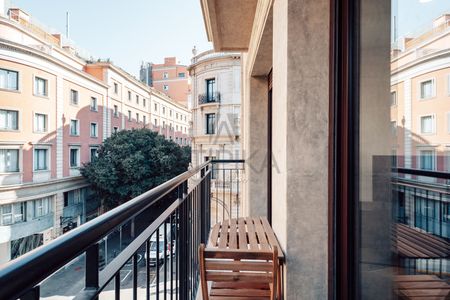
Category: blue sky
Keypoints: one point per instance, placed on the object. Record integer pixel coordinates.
(415, 15)
(132, 31)
(127, 32)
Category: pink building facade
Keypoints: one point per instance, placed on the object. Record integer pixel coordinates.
(55, 111)
(169, 78)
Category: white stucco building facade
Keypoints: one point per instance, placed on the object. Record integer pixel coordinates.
(216, 98)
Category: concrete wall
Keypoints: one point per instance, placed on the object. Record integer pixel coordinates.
(300, 70)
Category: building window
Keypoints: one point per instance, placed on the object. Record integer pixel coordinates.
(116, 111)
(427, 160)
(40, 159)
(144, 120)
(165, 75)
(9, 160)
(74, 157)
(137, 99)
(12, 213)
(94, 130)
(143, 102)
(129, 116)
(115, 129)
(9, 119)
(156, 107)
(176, 116)
(116, 88)
(394, 128)
(427, 124)
(427, 89)
(210, 89)
(164, 110)
(129, 96)
(166, 87)
(73, 97)
(137, 117)
(393, 98)
(170, 112)
(210, 123)
(40, 86)
(42, 206)
(72, 197)
(394, 158)
(94, 106)
(176, 127)
(40, 122)
(164, 124)
(156, 122)
(93, 153)
(182, 75)
(74, 127)
(9, 80)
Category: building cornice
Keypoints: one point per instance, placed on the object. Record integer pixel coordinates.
(15, 47)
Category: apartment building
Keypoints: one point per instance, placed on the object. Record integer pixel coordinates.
(420, 121)
(216, 92)
(216, 103)
(170, 78)
(56, 108)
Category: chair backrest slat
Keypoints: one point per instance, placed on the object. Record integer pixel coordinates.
(238, 267)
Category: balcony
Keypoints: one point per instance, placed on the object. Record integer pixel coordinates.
(209, 98)
(114, 255)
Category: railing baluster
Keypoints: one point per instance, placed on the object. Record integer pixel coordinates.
(165, 260)
(91, 277)
(171, 257)
(135, 275)
(157, 263)
(147, 269)
(117, 286)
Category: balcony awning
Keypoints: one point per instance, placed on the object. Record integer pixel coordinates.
(412, 243)
(229, 23)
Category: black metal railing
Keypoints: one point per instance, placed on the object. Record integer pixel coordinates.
(421, 200)
(208, 98)
(226, 185)
(176, 214)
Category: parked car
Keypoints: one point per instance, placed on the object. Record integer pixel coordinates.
(153, 246)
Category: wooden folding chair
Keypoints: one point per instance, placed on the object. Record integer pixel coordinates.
(238, 274)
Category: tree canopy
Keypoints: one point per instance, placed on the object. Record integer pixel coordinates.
(132, 162)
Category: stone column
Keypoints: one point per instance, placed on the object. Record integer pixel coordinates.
(300, 143)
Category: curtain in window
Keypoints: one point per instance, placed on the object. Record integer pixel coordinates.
(8, 119)
(6, 211)
(426, 160)
(40, 86)
(40, 159)
(8, 80)
(3, 79)
(73, 157)
(427, 89)
(73, 127)
(427, 124)
(12, 80)
(9, 160)
(40, 122)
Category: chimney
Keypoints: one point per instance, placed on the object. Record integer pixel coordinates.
(170, 61)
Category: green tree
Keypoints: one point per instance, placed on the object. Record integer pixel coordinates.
(132, 162)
